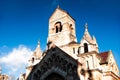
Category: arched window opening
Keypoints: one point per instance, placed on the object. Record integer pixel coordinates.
(70, 25)
(58, 27)
(85, 47)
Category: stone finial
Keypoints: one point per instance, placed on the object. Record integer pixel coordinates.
(39, 43)
(58, 6)
(86, 26)
(86, 35)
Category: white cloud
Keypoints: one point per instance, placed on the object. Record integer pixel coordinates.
(16, 60)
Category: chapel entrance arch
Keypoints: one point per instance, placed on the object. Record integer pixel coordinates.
(54, 76)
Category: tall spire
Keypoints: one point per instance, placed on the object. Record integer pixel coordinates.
(86, 35)
(38, 52)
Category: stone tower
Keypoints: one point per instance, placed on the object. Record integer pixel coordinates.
(61, 28)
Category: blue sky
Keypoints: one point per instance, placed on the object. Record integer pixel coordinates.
(24, 22)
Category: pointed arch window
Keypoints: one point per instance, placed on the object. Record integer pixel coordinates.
(58, 26)
(85, 47)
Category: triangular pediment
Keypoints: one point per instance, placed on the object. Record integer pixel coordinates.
(111, 61)
(56, 51)
(108, 58)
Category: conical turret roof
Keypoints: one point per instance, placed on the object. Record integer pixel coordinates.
(38, 52)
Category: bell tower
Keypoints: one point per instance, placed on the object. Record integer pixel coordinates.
(61, 28)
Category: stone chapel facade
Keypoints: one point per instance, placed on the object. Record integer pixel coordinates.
(67, 59)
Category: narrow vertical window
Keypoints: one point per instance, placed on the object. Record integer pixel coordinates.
(74, 50)
(87, 65)
(79, 50)
(93, 61)
(85, 47)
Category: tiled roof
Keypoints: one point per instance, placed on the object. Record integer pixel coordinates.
(104, 56)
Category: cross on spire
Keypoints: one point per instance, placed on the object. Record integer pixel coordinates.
(86, 26)
(58, 6)
(39, 43)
